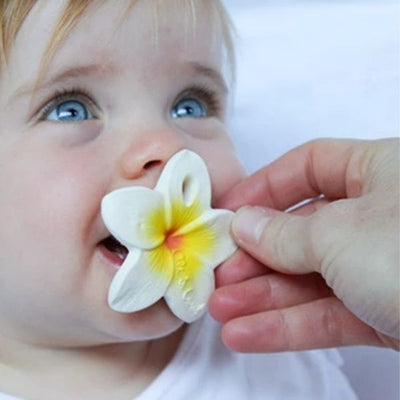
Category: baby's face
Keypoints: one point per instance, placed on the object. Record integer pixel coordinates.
(117, 100)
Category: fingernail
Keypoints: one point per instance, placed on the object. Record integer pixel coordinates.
(248, 224)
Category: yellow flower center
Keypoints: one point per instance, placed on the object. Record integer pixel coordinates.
(173, 241)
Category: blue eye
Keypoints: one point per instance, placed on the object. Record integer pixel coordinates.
(70, 111)
(189, 108)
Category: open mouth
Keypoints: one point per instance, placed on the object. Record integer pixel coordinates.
(113, 250)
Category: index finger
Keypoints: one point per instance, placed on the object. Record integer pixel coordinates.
(328, 167)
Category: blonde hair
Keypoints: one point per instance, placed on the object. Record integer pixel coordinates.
(14, 12)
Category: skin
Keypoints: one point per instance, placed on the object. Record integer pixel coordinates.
(333, 264)
(55, 324)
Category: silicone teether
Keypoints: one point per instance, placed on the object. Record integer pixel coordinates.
(174, 238)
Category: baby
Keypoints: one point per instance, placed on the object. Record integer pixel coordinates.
(96, 96)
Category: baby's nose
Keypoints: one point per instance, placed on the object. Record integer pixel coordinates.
(149, 155)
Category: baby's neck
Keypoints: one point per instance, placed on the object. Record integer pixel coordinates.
(117, 371)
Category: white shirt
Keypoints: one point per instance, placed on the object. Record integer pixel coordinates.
(204, 369)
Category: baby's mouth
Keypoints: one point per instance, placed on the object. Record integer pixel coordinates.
(113, 250)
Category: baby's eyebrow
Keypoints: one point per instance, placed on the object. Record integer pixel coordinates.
(104, 70)
(99, 70)
(212, 74)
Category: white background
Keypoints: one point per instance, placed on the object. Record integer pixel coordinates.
(310, 69)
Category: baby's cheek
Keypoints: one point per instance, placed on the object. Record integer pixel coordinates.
(64, 200)
(226, 176)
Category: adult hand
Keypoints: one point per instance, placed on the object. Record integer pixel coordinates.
(333, 263)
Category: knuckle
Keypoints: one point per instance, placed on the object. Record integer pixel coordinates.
(317, 234)
(268, 295)
(328, 231)
(331, 327)
(277, 241)
(283, 330)
(271, 191)
(316, 142)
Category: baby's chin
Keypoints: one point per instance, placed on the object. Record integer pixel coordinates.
(154, 322)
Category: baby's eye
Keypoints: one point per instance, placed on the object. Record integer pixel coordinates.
(189, 108)
(71, 110)
(198, 102)
(69, 106)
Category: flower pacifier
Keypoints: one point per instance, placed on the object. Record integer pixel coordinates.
(174, 240)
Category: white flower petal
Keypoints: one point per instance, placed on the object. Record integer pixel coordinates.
(138, 284)
(218, 221)
(190, 303)
(135, 216)
(185, 180)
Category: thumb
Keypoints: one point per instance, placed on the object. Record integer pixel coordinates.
(277, 239)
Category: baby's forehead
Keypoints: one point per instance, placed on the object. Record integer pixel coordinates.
(109, 33)
(147, 31)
